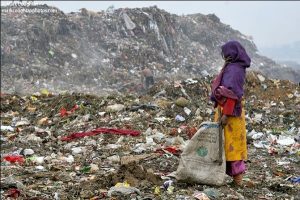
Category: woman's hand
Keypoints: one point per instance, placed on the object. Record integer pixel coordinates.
(224, 120)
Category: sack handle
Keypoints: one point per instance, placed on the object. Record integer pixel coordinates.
(220, 159)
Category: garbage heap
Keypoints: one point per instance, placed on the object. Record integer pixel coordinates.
(124, 146)
(100, 52)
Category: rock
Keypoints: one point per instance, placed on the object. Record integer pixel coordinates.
(212, 193)
(114, 158)
(122, 191)
(115, 108)
(94, 168)
(182, 102)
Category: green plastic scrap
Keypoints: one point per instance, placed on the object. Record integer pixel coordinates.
(51, 52)
(85, 169)
(31, 158)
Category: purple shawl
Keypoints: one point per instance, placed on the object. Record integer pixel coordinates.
(232, 76)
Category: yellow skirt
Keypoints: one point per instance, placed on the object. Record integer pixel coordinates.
(235, 137)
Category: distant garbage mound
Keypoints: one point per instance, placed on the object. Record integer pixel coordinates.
(100, 52)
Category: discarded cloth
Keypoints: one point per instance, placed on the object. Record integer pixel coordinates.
(14, 158)
(13, 193)
(234, 168)
(101, 130)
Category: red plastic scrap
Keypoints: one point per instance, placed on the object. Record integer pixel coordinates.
(101, 130)
(95, 198)
(174, 131)
(74, 108)
(191, 131)
(172, 150)
(14, 158)
(64, 112)
(13, 193)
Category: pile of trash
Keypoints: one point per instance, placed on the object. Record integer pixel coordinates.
(125, 146)
(101, 52)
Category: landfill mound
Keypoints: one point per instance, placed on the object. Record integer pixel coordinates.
(102, 52)
(124, 146)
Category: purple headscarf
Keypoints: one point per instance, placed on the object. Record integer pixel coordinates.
(237, 53)
(233, 74)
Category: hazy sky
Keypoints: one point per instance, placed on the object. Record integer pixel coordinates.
(269, 22)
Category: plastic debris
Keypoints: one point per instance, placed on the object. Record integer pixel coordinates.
(179, 118)
(28, 152)
(7, 128)
(157, 190)
(85, 169)
(187, 111)
(200, 196)
(14, 159)
(285, 141)
(295, 180)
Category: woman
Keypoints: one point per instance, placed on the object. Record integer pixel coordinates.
(227, 93)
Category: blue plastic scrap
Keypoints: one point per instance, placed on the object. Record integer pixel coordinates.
(295, 180)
